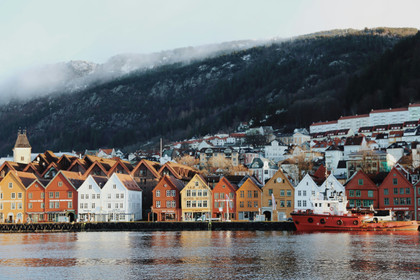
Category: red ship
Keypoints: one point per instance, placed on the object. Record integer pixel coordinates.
(330, 214)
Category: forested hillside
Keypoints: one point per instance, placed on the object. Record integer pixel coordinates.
(287, 85)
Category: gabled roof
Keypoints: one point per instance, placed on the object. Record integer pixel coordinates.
(150, 165)
(99, 165)
(100, 180)
(26, 178)
(127, 181)
(228, 183)
(174, 182)
(179, 171)
(81, 162)
(42, 182)
(76, 179)
(34, 166)
(115, 166)
(13, 166)
(51, 165)
(252, 179)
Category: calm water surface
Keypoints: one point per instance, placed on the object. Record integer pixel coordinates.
(210, 255)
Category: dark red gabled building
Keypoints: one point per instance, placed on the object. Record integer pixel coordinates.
(397, 194)
(361, 191)
(220, 191)
(167, 200)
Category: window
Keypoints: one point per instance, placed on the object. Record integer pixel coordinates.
(90, 187)
(20, 195)
(281, 203)
(173, 193)
(299, 203)
(82, 196)
(158, 204)
(10, 185)
(205, 203)
(313, 193)
(158, 194)
(98, 196)
(200, 203)
(13, 205)
(270, 192)
(351, 202)
(270, 202)
(188, 203)
(30, 205)
(81, 206)
(42, 195)
(199, 193)
(360, 182)
(395, 190)
(116, 205)
(188, 192)
(394, 181)
(407, 190)
(42, 205)
(30, 195)
(249, 194)
(196, 184)
(69, 204)
(304, 203)
(401, 190)
(69, 194)
(255, 204)
(57, 204)
(370, 193)
(173, 204)
(304, 193)
(358, 193)
(299, 193)
(13, 195)
(93, 206)
(289, 193)
(117, 195)
(241, 194)
(367, 202)
(109, 196)
(282, 192)
(60, 184)
(193, 193)
(289, 203)
(396, 200)
(121, 205)
(216, 204)
(51, 205)
(114, 186)
(241, 204)
(358, 203)
(121, 195)
(168, 193)
(168, 204)
(193, 203)
(408, 200)
(386, 192)
(109, 205)
(255, 194)
(216, 195)
(57, 194)
(249, 203)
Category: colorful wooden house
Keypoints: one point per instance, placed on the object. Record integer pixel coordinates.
(167, 200)
(35, 197)
(223, 192)
(13, 196)
(196, 200)
(279, 188)
(397, 193)
(61, 196)
(89, 199)
(248, 199)
(361, 191)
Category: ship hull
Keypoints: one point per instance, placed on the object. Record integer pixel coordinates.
(319, 222)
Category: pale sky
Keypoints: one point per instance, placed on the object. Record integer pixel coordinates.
(48, 31)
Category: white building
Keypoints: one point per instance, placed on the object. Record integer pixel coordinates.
(388, 116)
(353, 145)
(300, 136)
(353, 122)
(275, 151)
(331, 184)
(89, 199)
(263, 169)
(323, 126)
(333, 154)
(121, 198)
(306, 189)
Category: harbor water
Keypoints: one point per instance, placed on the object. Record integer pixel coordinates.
(210, 255)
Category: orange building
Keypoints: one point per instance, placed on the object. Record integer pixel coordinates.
(13, 196)
(61, 197)
(283, 191)
(248, 199)
(35, 198)
(167, 199)
(220, 191)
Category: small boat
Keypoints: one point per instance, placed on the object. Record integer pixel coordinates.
(330, 214)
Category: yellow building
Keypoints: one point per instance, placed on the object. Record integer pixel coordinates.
(13, 196)
(196, 199)
(280, 187)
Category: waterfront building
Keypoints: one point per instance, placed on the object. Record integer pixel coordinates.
(89, 199)
(361, 191)
(222, 190)
(332, 185)
(167, 200)
(61, 196)
(279, 188)
(196, 199)
(35, 198)
(397, 194)
(13, 196)
(121, 199)
(304, 191)
(248, 199)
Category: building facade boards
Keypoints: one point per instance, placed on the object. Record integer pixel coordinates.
(121, 199)
(167, 200)
(279, 188)
(248, 199)
(306, 189)
(224, 200)
(196, 200)
(89, 199)
(35, 195)
(361, 191)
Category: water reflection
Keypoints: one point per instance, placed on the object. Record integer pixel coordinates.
(210, 254)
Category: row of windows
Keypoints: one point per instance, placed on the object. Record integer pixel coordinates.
(169, 204)
(97, 196)
(359, 193)
(56, 204)
(399, 201)
(30, 195)
(249, 204)
(398, 191)
(287, 192)
(13, 195)
(30, 205)
(57, 194)
(360, 203)
(197, 193)
(197, 203)
(13, 205)
(116, 205)
(223, 195)
(169, 193)
(301, 203)
(303, 193)
(249, 194)
(282, 203)
(221, 204)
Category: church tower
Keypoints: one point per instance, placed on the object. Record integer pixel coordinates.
(22, 150)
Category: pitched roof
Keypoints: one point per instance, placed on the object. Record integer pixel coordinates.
(22, 141)
(100, 180)
(26, 178)
(75, 178)
(128, 182)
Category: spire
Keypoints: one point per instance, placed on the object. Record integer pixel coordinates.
(22, 140)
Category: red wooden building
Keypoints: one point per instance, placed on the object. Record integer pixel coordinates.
(167, 200)
(35, 199)
(61, 196)
(222, 189)
(397, 193)
(361, 191)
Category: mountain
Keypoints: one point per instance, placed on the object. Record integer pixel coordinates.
(286, 84)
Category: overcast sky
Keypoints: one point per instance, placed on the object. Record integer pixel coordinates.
(49, 31)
